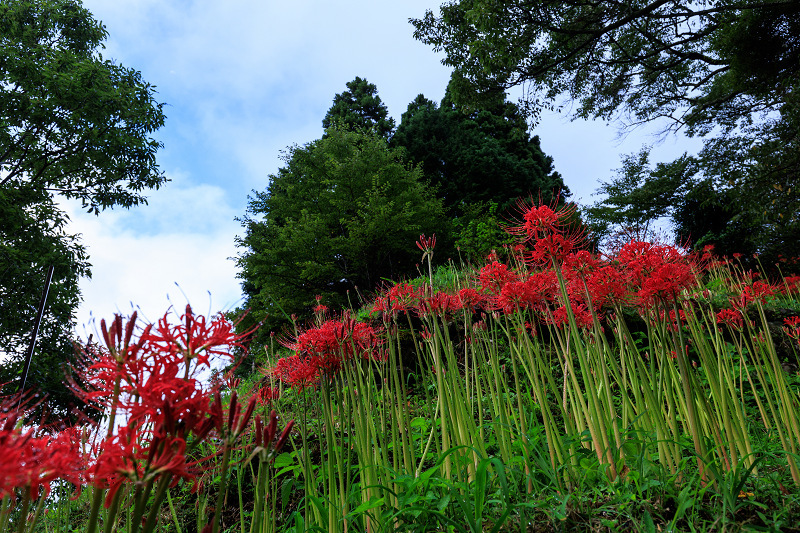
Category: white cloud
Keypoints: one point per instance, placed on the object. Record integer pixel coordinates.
(138, 256)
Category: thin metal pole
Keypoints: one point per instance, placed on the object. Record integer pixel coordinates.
(35, 334)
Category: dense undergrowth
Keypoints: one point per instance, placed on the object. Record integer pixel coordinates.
(548, 390)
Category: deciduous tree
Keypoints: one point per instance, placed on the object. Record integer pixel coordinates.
(339, 219)
(72, 124)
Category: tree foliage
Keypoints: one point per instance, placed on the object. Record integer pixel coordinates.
(336, 221)
(475, 156)
(33, 236)
(724, 70)
(74, 125)
(359, 108)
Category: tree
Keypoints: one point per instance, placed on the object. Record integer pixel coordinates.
(338, 220)
(724, 70)
(75, 125)
(33, 236)
(360, 109)
(479, 156)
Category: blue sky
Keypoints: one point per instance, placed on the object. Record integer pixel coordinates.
(242, 80)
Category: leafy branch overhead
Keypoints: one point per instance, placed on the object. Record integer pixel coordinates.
(72, 122)
(727, 71)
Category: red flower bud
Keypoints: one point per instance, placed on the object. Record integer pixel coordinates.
(269, 431)
(284, 436)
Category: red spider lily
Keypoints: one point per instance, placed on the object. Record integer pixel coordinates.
(552, 248)
(494, 276)
(792, 327)
(536, 293)
(512, 297)
(665, 283)
(161, 353)
(583, 317)
(757, 292)
(580, 263)
(641, 258)
(133, 456)
(537, 221)
(321, 351)
(296, 371)
(471, 299)
(173, 406)
(426, 244)
(607, 287)
(338, 339)
(399, 298)
(732, 318)
(195, 338)
(439, 304)
(791, 283)
(32, 463)
(660, 271)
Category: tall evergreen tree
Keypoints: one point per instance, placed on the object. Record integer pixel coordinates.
(359, 108)
(476, 156)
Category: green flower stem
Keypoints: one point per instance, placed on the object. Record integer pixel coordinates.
(112, 512)
(223, 484)
(173, 514)
(158, 500)
(140, 498)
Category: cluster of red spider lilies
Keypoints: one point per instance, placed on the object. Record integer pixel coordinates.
(157, 414)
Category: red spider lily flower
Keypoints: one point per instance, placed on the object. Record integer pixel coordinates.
(161, 355)
(493, 276)
(537, 221)
(640, 259)
(536, 293)
(792, 327)
(399, 298)
(133, 456)
(607, 287)
(732, 318)
(551, 248)
(757, 292)
(32, 463)
(511, 298)
(580, 263)
(426, 244)
(583, 317)
(195, 338)
(665, 283)
(791, 283)
(296, 371)
(471, 299)
(173, 406)
(439, 304)
(338, 340)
